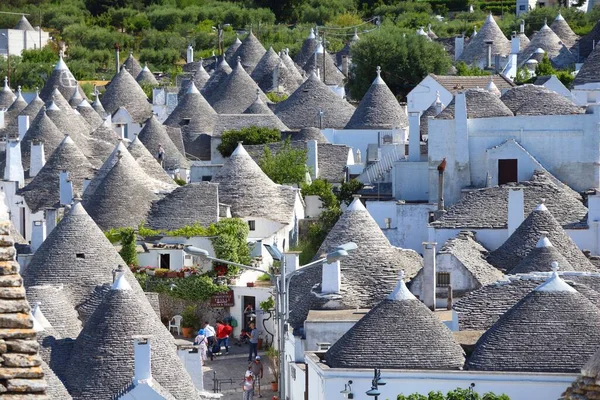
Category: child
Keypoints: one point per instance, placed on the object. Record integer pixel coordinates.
(202, 341)
(248, 385)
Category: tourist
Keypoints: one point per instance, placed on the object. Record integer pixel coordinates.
(257, 370)
(210, 336)
(202, 342)
(223, 332)
(253, 342)
(248, 386)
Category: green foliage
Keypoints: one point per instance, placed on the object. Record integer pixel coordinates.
(180, 182)
(230, 242)
(545, 68)
(268, 304)
(128, 246)
(348, 190)
(276, 97)
(193, 288)
(264, 278)
(250, 135)
(462, 69)
(288, 165)
(189, 320)
(407, 59)
(323, 189)
(456, 394)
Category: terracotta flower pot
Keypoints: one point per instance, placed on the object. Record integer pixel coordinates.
(249, 284)
(275, 386)
(172, 274)
(187, 332)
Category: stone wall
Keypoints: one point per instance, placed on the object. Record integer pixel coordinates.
(170, 306)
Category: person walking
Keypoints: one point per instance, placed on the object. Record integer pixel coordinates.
(160, 156)
(248, 386)
(209, 331)
(257, 370)
(202, 342)
(253, 342)
(223, 332)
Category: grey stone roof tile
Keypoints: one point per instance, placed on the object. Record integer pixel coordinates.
(23, 25)
(57, 307)
(480, 104)
(154, 134)
(378, 109)
(541, 258)
(194, 112)
(302, 108)
(63, 79)
(41, 129)
(146, 77)
(538, 100)
(333, 76)
(408, 336)
(147, 161)
(250, 52)
(219, 75)
(7, 97)
(124, 91)
(476, 50)
(545, 39)
(227, 122)
(590, 70)
(270, 65)
(546, 331)
(229, 53)
(132, 65)
(308, 48)
(89, 114)
(562, 29)
(199, 200)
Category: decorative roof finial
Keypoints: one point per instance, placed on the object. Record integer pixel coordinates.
(6, 82)
(19, 89)
(545, 21)
(554, 267)
(401, 275)
(37, 91)
(239, 59)
(257, 94)
(60, 54)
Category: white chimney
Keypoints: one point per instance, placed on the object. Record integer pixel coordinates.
(522, 27)
(38, 234)
(313, 158)
(331, 278)
(37, 158)
(2, 111)
(23, 125)
(593, 207)
(459, 46)
(358, 158)
(50, 220)
(292, 260)
(86, 183)
(461, 128)
(516, 209)
(66, 189)
(190, 54)
(13, 170)
(414, 136)
(142, 359)
(429, 274)
(515, 44)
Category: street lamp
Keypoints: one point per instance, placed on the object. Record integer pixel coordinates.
(347, 392)
(375, 383)
(281, 288)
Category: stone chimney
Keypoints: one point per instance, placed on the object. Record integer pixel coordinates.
(515, 43)
(429, 275)
(358, 158)
(331, 281)
(142, 359)
(516, 209)
(414, 136)
(459, 46)
(522, 27)
(66, 189)
(489, 44)
(461, 128)
(23, 125)
(13, 170)
(312, 148)
(190, 54)
(37, 158)
(38, 234)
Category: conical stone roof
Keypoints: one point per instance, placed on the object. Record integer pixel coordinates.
(41, 129)
(154, 134)
(132, 65)
(58, 309)
(194, 112)
(124, 91)
(476, 51)
(480, 104)
(44, 190)
(33, 108)
(78, 256)
(229, 53)
(541, 258)
(11, 122)
(545, 39)
(590, 70)
(564, 31)
(332, 75)
(219, 75)
(199, 200)
(250, 52)
(308, 49)
(106, 133)
(148, 163)
(61, 78)
(110, 208)
(294, 70)
(102, 359)
(552, 329)
(89, 114)
(409, 336)
(378, 109)
(258, 107)
(17, 105)
(236, 93)
(539, 222)
(302, 108)
(97, 105)
(310, 133)
(146, 77)
(23, 25)
(6, 95)
(76, 98)
(238, 181)
(199, 79)
(270, 66)
(69, 124)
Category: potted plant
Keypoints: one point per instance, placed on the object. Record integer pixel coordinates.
(273, 355)
(189, 321)
(172, 274)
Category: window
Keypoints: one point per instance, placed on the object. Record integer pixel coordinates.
(522, 7)
(443, 279)
(80, 255)
(206, 178)
(252, 225)
(388, 223)
(541, 5)
(508, 171)
(186, 121)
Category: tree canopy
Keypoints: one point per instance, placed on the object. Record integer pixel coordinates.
(286, 166)
(250, 135)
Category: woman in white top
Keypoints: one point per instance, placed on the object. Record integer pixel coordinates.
(203, 343)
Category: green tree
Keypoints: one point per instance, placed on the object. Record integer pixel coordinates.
(348, 190)
(250, 135)
(462, 69)
(287, 165)
(545, 68)
(404, 59)
(456, 394)
(128, 251)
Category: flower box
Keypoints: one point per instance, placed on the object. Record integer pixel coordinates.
(172, 274)
(250, 284)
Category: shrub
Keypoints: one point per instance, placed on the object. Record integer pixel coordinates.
(250, 135)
